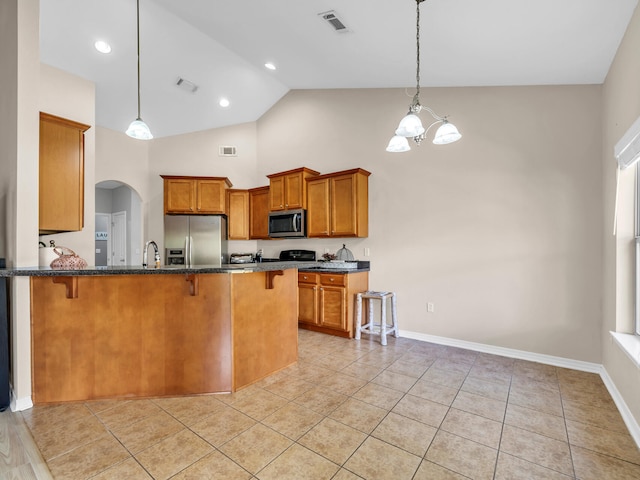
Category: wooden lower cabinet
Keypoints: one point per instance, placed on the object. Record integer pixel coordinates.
(127, 336)
(326, 301)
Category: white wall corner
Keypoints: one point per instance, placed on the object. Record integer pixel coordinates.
(627, 416)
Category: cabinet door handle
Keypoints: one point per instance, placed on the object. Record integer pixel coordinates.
(331, 279)
(305, 277)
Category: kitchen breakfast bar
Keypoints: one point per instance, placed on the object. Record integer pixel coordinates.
(118, 332)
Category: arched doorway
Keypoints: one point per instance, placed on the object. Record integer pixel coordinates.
(118, 234)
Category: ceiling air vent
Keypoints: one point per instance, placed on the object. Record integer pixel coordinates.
(227, 151)
(332, 19)
(186, 85)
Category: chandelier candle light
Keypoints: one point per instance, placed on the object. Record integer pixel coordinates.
(138, 129)
(410, 125)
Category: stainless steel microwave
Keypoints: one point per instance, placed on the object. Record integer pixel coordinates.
(288, 224)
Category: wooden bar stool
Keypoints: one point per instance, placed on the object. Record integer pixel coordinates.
(371, 327)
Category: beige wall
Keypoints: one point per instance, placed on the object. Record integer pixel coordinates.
(501, 231)
(621, 107)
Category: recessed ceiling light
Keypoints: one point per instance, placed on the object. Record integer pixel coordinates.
(223, 102)
(102, 46)
(270, 66)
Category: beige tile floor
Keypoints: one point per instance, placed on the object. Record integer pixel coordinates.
(348, 410)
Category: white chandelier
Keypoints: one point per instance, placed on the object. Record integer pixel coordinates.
(411, 126)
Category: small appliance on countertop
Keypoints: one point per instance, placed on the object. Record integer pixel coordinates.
(241, 258)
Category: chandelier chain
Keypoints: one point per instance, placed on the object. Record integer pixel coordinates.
(418, 47)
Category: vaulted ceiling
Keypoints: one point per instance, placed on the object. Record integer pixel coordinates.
(221, 46)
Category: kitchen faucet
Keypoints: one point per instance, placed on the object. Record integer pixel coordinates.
(145, 253)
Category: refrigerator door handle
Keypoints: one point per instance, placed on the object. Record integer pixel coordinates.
(187, 251)
(190, 251)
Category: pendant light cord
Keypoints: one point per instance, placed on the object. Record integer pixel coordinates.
(138, 40)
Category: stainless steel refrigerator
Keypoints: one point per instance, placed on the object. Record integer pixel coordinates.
(203, 238)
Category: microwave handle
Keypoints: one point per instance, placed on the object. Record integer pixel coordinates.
(296, 222)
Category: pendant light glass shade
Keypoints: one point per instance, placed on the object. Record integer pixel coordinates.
(447, 133)
(398, 144)
(410, 126)
(139, 130)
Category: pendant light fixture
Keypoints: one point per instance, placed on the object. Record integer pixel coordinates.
(138, 129)
(411, 126)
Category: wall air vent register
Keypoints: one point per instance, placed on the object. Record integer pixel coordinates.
(227, 151)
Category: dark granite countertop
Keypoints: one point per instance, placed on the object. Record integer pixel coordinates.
(178, 269)
(323, 267)
(163, 270)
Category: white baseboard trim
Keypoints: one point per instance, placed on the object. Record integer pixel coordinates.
(20, 404)
(625, 412)
(507, 352)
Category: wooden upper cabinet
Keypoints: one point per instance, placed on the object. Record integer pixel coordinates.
(288, 190)
(195, 195)
(259, 213)
(338, 204)
(61, 177)
(179, 195)
(238, 214)
(318, 213)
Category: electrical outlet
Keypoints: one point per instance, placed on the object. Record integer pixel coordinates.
(430, 307)
(367, 252)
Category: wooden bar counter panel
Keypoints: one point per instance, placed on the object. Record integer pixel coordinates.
(158, 335)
